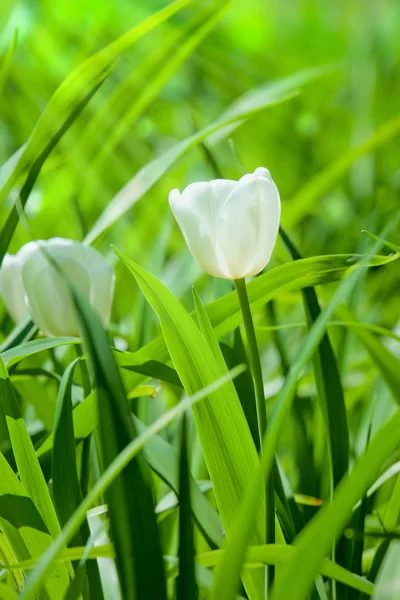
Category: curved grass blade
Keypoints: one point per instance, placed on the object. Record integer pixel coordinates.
(384, 242)
(21, 333)
(225, 438)
(277, 554)
(15, 354)
(75, 90)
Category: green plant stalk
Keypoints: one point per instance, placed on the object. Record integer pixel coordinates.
(256, 371)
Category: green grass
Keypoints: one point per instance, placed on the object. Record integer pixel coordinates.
(129, 458)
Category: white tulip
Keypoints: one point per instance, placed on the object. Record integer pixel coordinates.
(11, 287)
(46, 292)
(230, 226)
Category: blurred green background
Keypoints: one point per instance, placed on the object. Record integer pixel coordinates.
(162, 91)
(255, 42)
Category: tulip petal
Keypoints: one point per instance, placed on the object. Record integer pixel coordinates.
(102, 281)
(11, 287)
(197, 212)
(50, 302)
(248, 227)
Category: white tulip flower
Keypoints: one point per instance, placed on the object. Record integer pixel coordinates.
(230, 226)
(29, 281)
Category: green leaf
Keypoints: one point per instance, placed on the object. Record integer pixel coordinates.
(384, 242)
(25, 530)
(66, 488)
(17, 353)
(28, 466)
(225, 438)
(64, 473)
(46, 560)
(249, 105)
(129, 498)
(329, 385)
(276, 554)
(224, 313)
(186, 586)
(21, 333)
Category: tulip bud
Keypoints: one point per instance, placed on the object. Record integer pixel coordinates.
(230, 226)
(48, 298)
(11, 287)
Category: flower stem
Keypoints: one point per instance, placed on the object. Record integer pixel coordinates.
(254, 357)
(255, 368)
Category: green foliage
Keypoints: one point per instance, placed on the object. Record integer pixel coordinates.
(135, 470)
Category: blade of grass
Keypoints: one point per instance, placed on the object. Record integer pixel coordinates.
(66, 488)
(131, 510)
(225, 438)
(64, 473)
(17, 353)
(186, 586)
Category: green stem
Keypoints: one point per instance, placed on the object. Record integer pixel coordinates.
(254, 357)
(255, 367)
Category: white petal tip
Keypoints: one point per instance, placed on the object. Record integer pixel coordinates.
(174, 197)
(263, 172)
